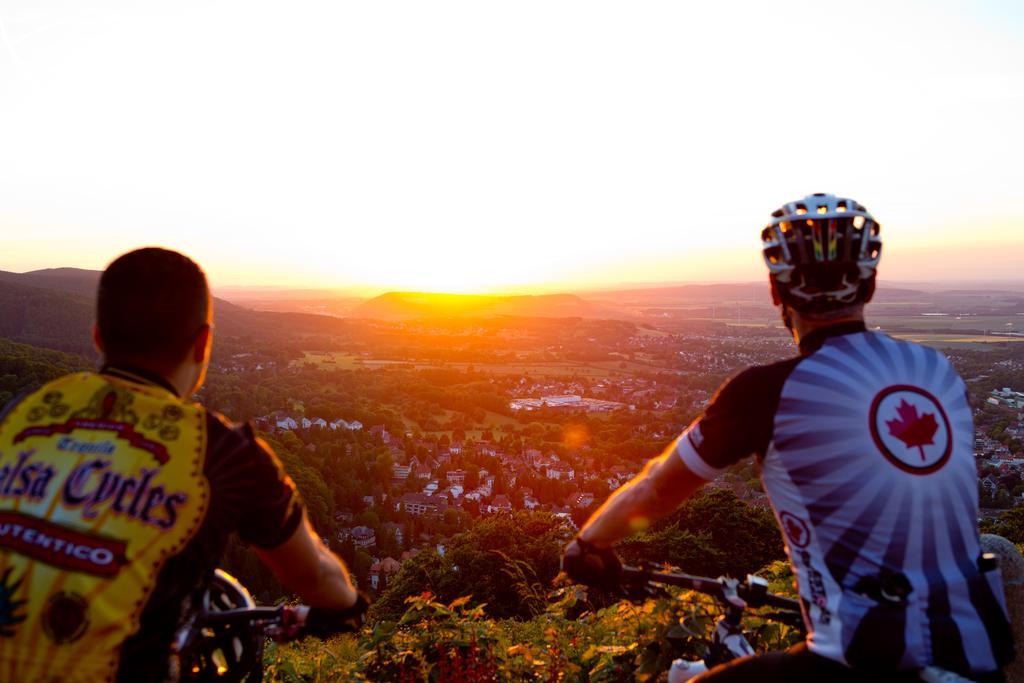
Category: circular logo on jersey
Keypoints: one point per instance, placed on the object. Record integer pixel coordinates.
(911, 429)
(65, 617)
(797, 531)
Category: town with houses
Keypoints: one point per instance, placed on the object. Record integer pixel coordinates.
(426, 485)
(491, 433)
(999, 449)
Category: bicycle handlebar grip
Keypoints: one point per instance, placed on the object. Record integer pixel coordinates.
(323, 621)
(592, 566)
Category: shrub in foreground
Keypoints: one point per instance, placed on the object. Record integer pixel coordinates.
(436, 642)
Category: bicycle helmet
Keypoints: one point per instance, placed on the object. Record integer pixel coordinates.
(822, 252)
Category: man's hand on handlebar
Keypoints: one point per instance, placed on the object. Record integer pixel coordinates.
(592, 566)
(323, 622)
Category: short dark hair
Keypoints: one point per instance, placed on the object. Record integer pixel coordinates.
(151, 304)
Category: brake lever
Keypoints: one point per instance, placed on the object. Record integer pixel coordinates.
(638, 592)
(730, 593)
(291, 624)
(792, 619)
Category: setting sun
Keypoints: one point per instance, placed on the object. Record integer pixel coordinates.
(428, 149)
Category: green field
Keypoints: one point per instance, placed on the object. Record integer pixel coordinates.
(957, 341)
(968, 324)
(339, 360)
(493, 422)
(598, 369)
(951, 331)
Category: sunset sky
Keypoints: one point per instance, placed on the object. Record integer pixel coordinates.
(479, 146)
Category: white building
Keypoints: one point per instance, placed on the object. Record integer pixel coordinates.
(560, 473)
(363, 537)
(287, 423)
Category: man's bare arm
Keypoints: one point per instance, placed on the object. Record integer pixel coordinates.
(660, 488)
(309, 569)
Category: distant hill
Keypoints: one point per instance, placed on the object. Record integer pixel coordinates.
(49, 318)
(983, 294)
(55, 308)
(74, 280)
(25, 367)
(420, 305)
(682, 294)
(885, 294)
(750, 292)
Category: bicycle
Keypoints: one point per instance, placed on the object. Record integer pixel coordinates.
(728, 640)
(223, 641)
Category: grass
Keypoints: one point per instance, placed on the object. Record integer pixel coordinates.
(648, 332)
(597, 369)
(329, 360)
(970, 324)
(956, 341)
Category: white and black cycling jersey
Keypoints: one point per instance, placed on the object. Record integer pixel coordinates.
(866, 450)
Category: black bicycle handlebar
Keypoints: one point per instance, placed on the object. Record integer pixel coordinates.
(284, 622)
(753, 593)
(242, 615)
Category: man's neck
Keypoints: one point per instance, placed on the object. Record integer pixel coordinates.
(140, 373)
(810, 334)
(803, 327)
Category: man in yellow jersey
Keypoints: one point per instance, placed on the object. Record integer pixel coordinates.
(118, 494)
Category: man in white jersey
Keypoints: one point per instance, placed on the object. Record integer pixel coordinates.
(866, 451)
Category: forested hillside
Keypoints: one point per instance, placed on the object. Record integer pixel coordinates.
(24, 367)
(43, 317)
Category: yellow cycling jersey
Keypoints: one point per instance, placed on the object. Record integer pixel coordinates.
(101, 481)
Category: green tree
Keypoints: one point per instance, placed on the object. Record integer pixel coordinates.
(714, 533)
(1011, 524)
(506, 563)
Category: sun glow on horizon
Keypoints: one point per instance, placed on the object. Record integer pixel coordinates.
(476, 148)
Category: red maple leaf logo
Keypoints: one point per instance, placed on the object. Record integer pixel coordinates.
(795, 531)
(912, 429)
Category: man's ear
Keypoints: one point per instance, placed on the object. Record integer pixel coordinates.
(776, 299)
(96, 339)
(869, 287)
(202, 343)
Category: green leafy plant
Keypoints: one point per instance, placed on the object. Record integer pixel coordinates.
(568, 639)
